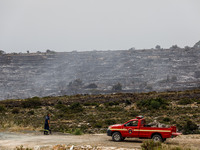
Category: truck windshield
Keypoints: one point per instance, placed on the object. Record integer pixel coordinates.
(132, 123)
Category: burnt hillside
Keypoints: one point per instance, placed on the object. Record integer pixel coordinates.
(98, 72)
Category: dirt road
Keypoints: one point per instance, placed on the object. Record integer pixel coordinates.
(9, 141)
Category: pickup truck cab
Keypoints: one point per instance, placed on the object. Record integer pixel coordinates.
(136, 128)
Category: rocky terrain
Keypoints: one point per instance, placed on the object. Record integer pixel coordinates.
(99, 72)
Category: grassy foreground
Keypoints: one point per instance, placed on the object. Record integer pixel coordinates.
(94, 113)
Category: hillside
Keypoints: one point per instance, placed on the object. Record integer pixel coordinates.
(94, 113)
(98, 72)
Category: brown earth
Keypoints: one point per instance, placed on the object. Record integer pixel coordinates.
(9, 141)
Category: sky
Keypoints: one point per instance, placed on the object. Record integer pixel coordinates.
(86, 25)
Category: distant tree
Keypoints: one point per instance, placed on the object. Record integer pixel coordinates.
(187, 48)
(117, 87)
(2, 52)
(158, 47)
(92, 86)
(132, 49)
(50, 51)
(28, 52)
(174, 47)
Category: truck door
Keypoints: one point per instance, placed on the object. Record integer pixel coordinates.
(132, 129)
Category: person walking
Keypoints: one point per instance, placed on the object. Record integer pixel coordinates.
(47, 125)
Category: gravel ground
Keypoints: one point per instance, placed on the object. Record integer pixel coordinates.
(9, 141)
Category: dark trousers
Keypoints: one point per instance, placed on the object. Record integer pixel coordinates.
(46, 129)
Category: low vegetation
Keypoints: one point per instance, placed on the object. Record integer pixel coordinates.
(151, 145)
(80, 114)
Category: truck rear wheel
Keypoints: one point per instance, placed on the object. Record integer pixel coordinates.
(117, 137)
(157, 138)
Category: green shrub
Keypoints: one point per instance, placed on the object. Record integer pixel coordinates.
(150, 145)
(61, 107)
(152, 103)
(98, 124)
(190, 127)
(77, 132)
(91, 104)
(197, 100)
(133, 113)
(185, 101)
(31, 103)
(2, 108)
(111, 103)
(15, 110)
(110, 121)
(31, 112)
(22, 148)
(166, 119)
(116, 108)
(128, 102)
(76, 107)
(100, 108)
(155, 104)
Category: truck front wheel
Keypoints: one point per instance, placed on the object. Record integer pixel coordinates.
(117, 137)
(157, 138)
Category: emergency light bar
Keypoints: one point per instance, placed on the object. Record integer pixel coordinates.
(139, 117)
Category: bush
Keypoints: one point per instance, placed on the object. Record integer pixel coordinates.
(90, 104)
(31, 112)
(31, 103)
(133, 113)
(116, 108)
(111, 103)
(77, 132)
(110, 122)
(185, 101)
(2, 108)
(150, 145)
(128, 102)
(197, 101)
(22, 148)
(76, 107)
(98, 124)
(155, 104)
(190, 127)
(166, 119)
(152, 103)
(62, 107)
(15, 110)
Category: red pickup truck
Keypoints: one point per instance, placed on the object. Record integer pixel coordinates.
(136, 128)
